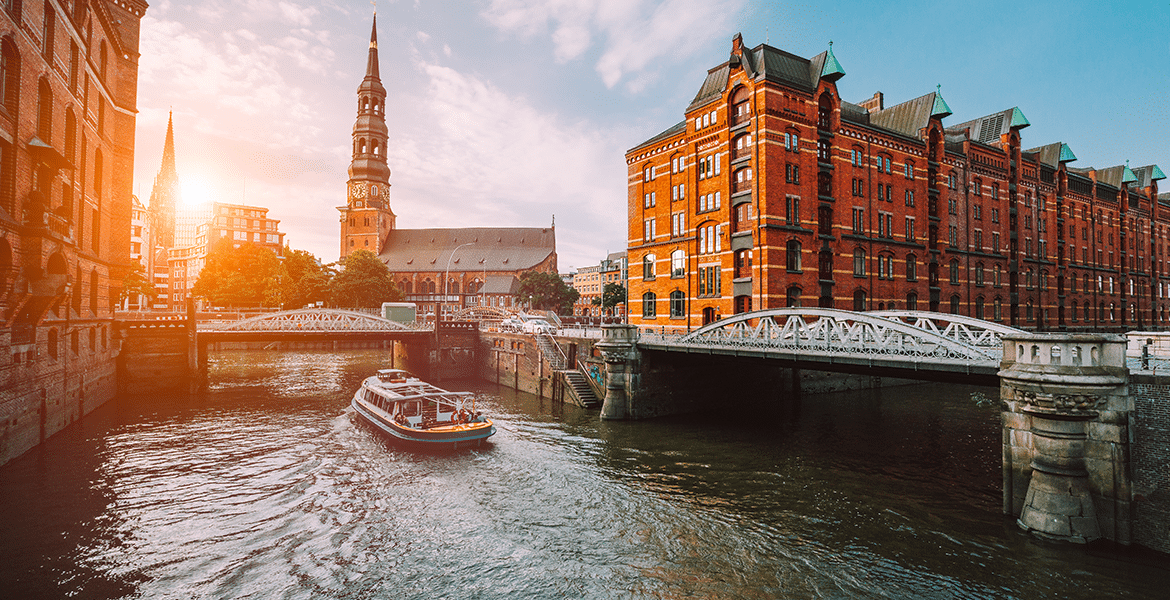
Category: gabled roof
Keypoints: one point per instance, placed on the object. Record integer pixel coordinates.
(491, 249)
(940, 108)
(770, 64)
(1113, 176)
(501, 284)
(907, 118)
(1053, 154)
(673, 130)
(1148, 174)
(986, 130)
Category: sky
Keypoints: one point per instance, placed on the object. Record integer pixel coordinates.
(510, 113)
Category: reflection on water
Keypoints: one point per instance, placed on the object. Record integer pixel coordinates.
(266, 487)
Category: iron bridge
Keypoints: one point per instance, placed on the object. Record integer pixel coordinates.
(312, 320)
(914, 344)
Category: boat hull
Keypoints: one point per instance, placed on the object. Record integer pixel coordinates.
(451, 436)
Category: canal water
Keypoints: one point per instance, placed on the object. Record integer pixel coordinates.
(265, 486)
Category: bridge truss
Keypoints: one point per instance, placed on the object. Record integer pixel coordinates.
(312, 320)
(896, 336)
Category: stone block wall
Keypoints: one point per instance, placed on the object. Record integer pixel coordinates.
(1151, 460)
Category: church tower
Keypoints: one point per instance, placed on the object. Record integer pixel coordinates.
(164, 197)
(366, 218)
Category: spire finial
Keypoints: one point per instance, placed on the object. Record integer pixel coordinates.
(938, 88)
(375, 3)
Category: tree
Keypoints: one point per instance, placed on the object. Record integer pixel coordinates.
(302, 280)
(136, 282)
(364, 282)
(243, 276)
(612, 295)
(547, 291)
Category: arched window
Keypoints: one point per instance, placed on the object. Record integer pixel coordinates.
(743, 263)
(430, 287)
(98, 171)
(743, 304)
(1074, 311)
(954, 272)
(859, 301)
(792, 258)
(792, 297)
(407, 286)
(103, 55)
(93, 291)
(648, 305)
(979, 307)
(361, 146)
(825, 107)
(997, 309)
(1028, 312)
(824, 151)
(955, 304)
(648, 267)
(9, 75)
(678, 264)
(45, 111)
(859, 262)
(677, 304)
(70, 136)
(911, 267)
(979, 274)
(375, 147)
(911, 301)
(741, 146)
(740, 106)
(453, 287)
(998, 276)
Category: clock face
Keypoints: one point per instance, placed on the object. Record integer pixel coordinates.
(358, 190)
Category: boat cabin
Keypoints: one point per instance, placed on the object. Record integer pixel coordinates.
(394, 375)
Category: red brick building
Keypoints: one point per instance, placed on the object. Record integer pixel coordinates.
(68, 99)
(773, 191)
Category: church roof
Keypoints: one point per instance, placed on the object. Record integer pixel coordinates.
(490, 249)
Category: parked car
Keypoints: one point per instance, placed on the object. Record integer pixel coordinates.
(511, 324)
(538, 326)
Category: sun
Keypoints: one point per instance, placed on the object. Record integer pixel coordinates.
(196, 191)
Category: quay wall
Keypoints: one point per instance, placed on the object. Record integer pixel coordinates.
(1150, 460)
(53, 381)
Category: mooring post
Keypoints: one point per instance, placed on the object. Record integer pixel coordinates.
(1066, 409)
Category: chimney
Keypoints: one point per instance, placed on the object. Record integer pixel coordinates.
(878, 102)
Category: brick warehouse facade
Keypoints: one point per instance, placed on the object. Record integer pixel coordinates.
(774, 192)
(69, 96)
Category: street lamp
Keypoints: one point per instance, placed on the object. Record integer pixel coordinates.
(446, 280)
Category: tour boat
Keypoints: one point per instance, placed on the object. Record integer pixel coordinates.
(415, 412)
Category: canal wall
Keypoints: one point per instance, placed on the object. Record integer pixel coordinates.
(63, 374)
(1150, 457)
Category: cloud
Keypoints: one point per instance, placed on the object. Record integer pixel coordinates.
(636, 33)
(478, 156)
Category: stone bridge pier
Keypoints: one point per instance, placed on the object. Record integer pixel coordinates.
(1067, 416)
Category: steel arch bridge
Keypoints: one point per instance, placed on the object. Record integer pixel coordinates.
(311, 320)
(901, 341)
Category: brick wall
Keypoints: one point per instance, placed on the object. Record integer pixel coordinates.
(1151, 461)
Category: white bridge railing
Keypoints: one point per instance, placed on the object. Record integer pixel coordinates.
(314, 319)
(909, 334)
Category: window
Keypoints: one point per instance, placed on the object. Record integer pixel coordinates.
(649, 230)
(909, 197)
(678, 224)
(709, 281)
(45, 112)
(885, 224)
(743, 304)
(824, 153)
(995, 215)
(979, 274)
(910, 236)
(791, 142)
(952, 206)
(792, 210)
(678, 264)
(649, 311)
(648, 267)
(859, 301)
(954, 272)
(792, 258)
(743, 264)
(792, 297)
(859, 263)
(677, 304)
(955, 304)
(858, 221)
(909, 170)
(953, 236)
(9, 75)
(978, 239)
(911, 301)
(995, 241)
(885, 267)
(911, 268)
(792, 173)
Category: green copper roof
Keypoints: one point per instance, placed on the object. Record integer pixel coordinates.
(832, 69)
(1127, 175)
(940, 108)
(1157, 174)
(1018, 119)
(1066, 153)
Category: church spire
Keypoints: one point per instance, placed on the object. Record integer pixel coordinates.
(164, 197)
(372, 61)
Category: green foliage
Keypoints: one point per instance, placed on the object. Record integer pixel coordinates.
(547, 291)
(364, 282)
(244, 276)
(612, 295)
(136, 282)
(302, 280)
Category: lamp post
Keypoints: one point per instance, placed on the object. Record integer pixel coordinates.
(446, 280)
